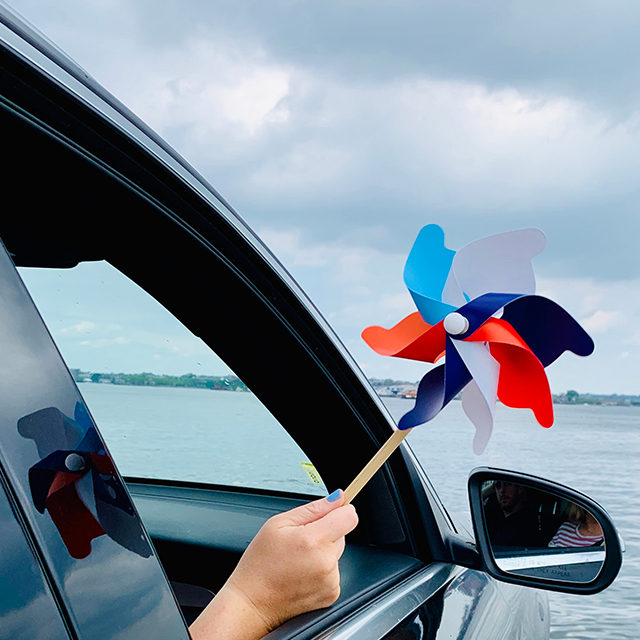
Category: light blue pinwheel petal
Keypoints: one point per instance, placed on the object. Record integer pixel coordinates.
(432, 311)
(426, 272)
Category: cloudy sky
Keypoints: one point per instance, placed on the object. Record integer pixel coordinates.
(339, 128)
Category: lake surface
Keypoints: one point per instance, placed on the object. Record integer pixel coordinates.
(593, 449)
(229, 438)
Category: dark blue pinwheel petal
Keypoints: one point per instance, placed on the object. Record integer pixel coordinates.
(547, 328)
(91, 442)
(480, 309)
(429, 400)
(82, 417)
(116, 515)
(456, 374)
(437, 388)
(109, 490)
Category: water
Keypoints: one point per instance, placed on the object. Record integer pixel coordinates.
(197, 435)
(593, 449)
(229, 438)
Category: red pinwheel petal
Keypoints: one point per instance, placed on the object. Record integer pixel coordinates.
(412, 338)
(61, 480)
(75, 523)
(103, 464)
(522, 383)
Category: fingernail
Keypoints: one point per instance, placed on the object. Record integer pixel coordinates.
(334, 496)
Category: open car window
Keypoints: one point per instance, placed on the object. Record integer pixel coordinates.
(167, 406)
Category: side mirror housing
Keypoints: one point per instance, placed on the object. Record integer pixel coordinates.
(540, 534)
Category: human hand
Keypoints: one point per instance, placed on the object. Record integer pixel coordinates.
(290, 567)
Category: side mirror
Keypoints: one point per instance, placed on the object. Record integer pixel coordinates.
(540, 534)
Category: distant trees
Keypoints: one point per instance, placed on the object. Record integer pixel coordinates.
(572, 396)
(227, 383)
(387, 382)
(232, 383)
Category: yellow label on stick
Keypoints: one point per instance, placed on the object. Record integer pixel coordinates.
(314, 476)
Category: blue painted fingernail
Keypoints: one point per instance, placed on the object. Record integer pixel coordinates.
(334, 496)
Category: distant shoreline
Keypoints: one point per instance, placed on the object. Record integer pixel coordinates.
(188, 380)
(385, 388)
(399, 389)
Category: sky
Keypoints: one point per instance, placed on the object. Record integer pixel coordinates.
(337, 129)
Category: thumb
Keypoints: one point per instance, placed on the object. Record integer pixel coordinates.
(312, 511)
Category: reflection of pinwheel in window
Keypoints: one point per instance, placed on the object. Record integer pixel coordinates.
(76, 482)
(459, 296)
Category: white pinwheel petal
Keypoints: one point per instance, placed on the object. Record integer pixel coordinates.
(479, 397)
(497, 264)
(86, 493)
(480, 414)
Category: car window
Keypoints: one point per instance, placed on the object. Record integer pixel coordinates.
(167, 406)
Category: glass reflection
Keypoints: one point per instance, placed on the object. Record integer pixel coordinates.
(539, 534)
(581, 529)
(513, 519)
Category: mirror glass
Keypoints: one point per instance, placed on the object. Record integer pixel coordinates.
(541, 535)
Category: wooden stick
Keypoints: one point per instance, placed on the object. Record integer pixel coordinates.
(374, 464)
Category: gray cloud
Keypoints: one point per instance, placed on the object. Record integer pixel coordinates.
(478, 116)
(582, 48)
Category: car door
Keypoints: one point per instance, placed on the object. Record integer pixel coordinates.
(28, 606)
(85, 538)
(91, 183)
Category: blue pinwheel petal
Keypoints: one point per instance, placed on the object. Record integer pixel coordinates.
(429, 401)
(479, 310)
(432, 311)
(91, 442)
(116, 515)
(82, 417)
(426, 272)
(437, 388)
(456, 374)
(547, 328)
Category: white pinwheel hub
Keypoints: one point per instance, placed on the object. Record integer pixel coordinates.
(455, 324)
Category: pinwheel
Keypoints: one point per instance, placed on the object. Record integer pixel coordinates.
(76, 482)
(477, 307)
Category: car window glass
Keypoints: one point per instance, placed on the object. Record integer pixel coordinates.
(167, 406)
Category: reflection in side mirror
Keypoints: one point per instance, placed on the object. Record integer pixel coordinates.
(530, 531)
(539, 534)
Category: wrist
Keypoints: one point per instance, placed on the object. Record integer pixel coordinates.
(230, 616)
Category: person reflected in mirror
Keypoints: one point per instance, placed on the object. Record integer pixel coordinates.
(511, 519)
(290, 567)
(580, 530)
